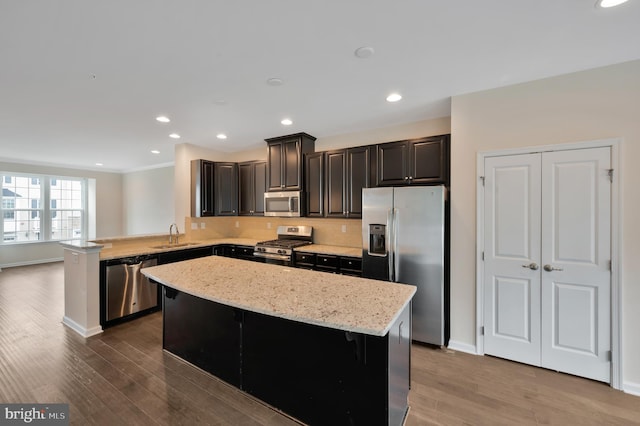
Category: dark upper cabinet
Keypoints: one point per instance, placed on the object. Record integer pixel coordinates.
(252, 181)
(347, 172)
(202, 188)
(314, 184)
(285, 161)
(358, 177)
(335, 193)
(417, 161)
(226, 189)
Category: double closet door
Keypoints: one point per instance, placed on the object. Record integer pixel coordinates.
(547, 251)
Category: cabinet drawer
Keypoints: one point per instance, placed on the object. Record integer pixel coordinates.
(305, 259)
(244, 251)
(326, 262)
(350, 265)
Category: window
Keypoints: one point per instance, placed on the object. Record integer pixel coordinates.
(42, 208)
(8, 204)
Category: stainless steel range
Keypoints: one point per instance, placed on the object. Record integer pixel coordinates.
(280, 250)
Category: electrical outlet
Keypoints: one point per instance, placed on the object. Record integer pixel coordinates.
(344, 228)
(237, 224)
(268, 225)
(76, 257)
(202, 225)
(194, 225)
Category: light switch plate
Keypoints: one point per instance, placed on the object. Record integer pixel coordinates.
(202, 226)
(268, 225)
(194, 225)
(237, 224)
(344, 228)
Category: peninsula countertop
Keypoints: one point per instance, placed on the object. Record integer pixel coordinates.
(328, 300)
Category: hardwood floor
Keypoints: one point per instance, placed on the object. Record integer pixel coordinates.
(122, 376)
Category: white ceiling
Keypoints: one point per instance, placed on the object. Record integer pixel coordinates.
(81, 81)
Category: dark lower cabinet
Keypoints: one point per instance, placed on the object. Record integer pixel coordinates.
(237, 252)
(319, 375)
(328, 263)
(205, 333)
(186, 254)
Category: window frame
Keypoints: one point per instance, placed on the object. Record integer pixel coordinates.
(45, 211)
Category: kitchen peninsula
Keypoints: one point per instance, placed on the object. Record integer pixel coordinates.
(323, 348)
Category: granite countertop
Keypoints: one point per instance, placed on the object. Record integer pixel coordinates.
(328, 300)
(117, 247)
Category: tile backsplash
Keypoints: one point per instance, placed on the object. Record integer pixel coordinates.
(335, 232)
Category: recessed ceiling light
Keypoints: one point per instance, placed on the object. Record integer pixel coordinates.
(286, 122)
(174, 136)
(162, 119)
(99, 164)
(364, 52)
(221, 136)
(609, 3)
(275, 82)
(155, 151)
(394, 97)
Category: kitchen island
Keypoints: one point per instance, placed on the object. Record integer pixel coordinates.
(323, 348)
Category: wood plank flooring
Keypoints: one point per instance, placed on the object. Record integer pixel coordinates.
(123, 377)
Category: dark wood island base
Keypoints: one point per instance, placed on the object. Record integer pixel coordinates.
(319, 375)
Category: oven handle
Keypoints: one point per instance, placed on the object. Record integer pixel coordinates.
(272, 256)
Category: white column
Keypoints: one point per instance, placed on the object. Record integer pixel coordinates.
(82, 287)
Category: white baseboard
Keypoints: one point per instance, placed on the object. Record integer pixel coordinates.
(84, 332)
(462, 347)
(631, 388)
(31, 262)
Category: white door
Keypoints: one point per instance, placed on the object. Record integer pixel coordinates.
(548, 214)
(512, 257)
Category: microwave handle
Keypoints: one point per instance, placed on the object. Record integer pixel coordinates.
(290, 204)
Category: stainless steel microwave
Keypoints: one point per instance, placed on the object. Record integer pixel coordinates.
(284, 204)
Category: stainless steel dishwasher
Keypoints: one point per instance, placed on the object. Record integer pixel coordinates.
(127, 290)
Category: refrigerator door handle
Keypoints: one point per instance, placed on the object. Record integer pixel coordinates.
(394, 233)
(391, 256)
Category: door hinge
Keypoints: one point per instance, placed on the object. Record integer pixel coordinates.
(608, 355)
(482, 179)
(482, 330)
(610, 173)
(483, 256)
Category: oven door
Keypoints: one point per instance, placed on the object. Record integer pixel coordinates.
(274, 259)
(283, 204)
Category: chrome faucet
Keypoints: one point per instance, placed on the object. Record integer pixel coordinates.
(173, 225)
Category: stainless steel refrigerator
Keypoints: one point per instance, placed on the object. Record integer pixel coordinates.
(404, 240)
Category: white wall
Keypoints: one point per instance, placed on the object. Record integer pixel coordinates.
(109, 221)
(602, 103)
(148, 201)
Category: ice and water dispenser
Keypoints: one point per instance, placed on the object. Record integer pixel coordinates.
(377, 240)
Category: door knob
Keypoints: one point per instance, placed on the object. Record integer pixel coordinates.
(550, 268)
(533, 266)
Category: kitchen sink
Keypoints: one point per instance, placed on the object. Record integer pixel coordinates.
(166, 246)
